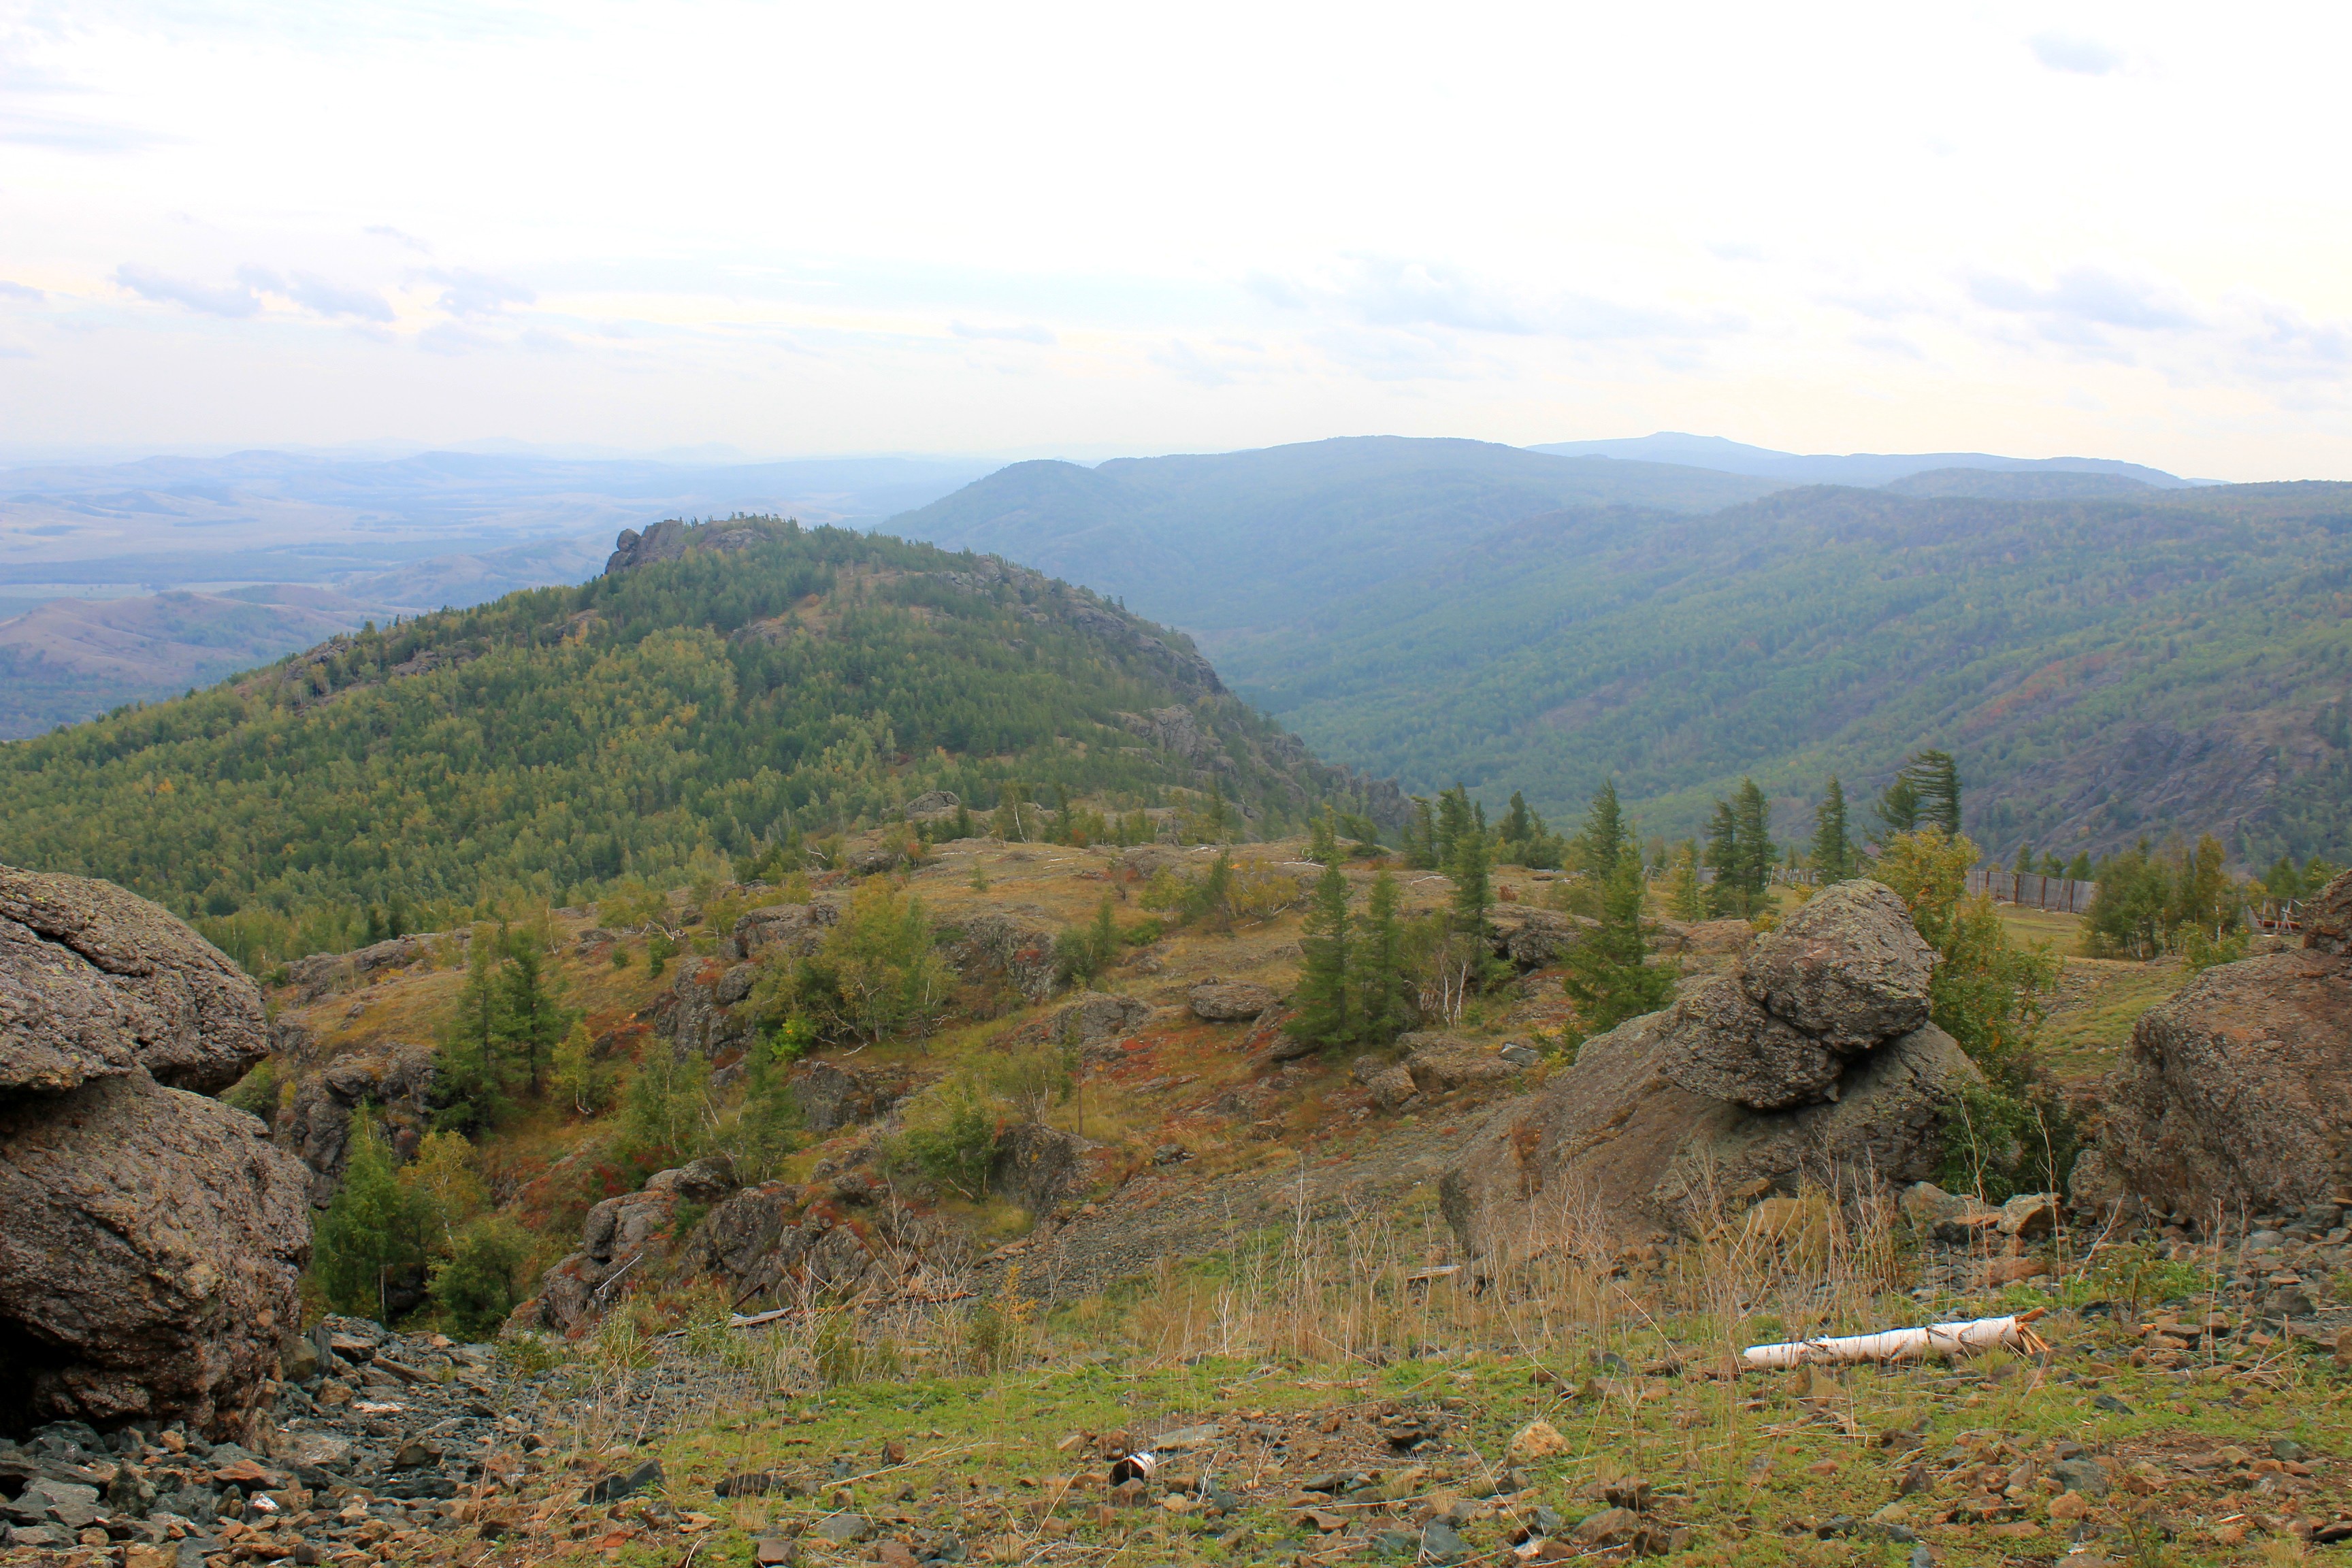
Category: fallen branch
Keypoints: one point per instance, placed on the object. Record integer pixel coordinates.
(1904, 1344)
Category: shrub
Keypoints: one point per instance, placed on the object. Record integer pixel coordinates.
(484, 1277)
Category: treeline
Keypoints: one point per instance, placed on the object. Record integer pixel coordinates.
(542, 746)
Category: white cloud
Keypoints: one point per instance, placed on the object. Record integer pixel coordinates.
(1029, 333)
(2071, 52)
(212, 301)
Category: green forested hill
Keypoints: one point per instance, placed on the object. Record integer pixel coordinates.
(1252, 539)
(2102, 669)
(561, 737)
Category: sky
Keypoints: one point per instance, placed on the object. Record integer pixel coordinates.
(788, 230)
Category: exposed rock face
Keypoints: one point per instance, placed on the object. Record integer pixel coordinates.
(1812, 1060)
(322, 973)
(149, 1259)
(1229, 1003)
(150, 1237)
(2233, 1096)
(774, 1240)
(1037, 1166)
(1094, 1017)
(831, 1097)
(1842, 974)
(95, 982)
(1534, 938)
(703, 1017)
(670, 539)
(932, 804)
(1439, 1063)
(797, 929)
(315, 1124)
(1020, 950)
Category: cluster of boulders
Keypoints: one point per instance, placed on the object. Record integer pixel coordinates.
(2236, 1098)
(1812, 1061)
(150, 1235)
(1433, 1064)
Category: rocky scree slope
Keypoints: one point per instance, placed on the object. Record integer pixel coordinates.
(152, 1234)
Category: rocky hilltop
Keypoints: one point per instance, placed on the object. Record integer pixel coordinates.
(153, 1234)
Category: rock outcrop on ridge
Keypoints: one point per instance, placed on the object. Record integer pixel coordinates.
(1813, 1062)
(2236, 1098)
(152, 1235)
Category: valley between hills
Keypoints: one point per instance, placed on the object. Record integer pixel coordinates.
(810, 1048)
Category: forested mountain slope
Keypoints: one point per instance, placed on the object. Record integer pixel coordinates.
(1253, 539)
(2102, 669)
(769, 679)
(1867, 469)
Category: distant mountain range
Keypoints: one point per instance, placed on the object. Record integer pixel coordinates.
(2109, 649)
(1864, 468)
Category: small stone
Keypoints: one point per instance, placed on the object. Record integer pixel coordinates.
(846, 1528)
(611, 1488)
(1537, 1441)
(773, 1552)
(2286, 1450)
(2109, 1402)
(2069, 1506)
(895, 1554)
(1440, 1542)
(1610, 1524)
(2086, 1475)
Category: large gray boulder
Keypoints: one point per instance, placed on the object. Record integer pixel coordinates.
(1841, 976)
(149, 1254)
(1094, 1017)
(1720, 1044)
(2233, 1100)
(1229, 1001)
(1848, 968)
(150, 1237)
(95, 982)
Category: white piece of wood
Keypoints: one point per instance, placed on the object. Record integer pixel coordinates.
(1904, 1345)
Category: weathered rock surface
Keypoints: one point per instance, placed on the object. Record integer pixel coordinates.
(1037, 1166)
(1722, 1045)
(1532, 938)
(1229, 1001)
(831, 1097)
(626, 1234)
(1842, 974)
(315, 976)
(671, 539)
(1439, 1063)
(315, 1123)
(2233, 1096)
(95, 982)
(1018, 948)
(149, 1256)
(1847, 968)
(150, 1237)
(1094, 1017)
(797, 929)
(2328, 921)
(1615, 1145)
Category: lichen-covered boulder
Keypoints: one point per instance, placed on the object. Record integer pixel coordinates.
(149, 1252)
(1219, 1002)
(95, 982)
(1847, 969)
(1719, 1043)
(2233, 1100)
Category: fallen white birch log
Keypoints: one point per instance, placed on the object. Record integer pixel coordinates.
(1904, 1344)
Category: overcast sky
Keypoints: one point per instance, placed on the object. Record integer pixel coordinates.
(2039, 230)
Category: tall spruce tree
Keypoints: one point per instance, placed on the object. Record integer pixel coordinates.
(1833, 848)
(1382, 999)
(1325, 1010)
(1756, 850)
(1604, 841)
(1685, 894)
(1605, 974)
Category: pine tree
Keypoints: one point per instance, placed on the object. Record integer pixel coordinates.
(1834, 849)
(1518, 823)
(1685, 894)
(1420, 837)
(532, 1019)
(1382, 999)
(1898, 810)
(1326, 1014)
(1323, 839)
(1938, 787)
(1605, 843)
(1604, 973)
(1474, 886)
(1755, 817)
(1726, 897)
(373, 1235)
(1454, 823)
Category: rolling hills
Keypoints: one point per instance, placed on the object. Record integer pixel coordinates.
(1250, 539)
(769, 679)
(2102, 669)
(1861, 468)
